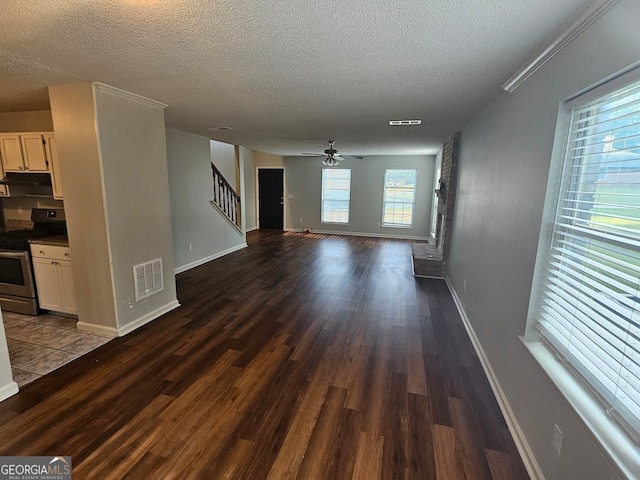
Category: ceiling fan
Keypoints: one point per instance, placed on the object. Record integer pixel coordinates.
(333, 158)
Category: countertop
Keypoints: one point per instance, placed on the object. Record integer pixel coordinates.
(56, 240)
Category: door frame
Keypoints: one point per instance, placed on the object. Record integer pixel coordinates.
(284, 194)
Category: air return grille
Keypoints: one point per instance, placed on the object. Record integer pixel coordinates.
(147, 278)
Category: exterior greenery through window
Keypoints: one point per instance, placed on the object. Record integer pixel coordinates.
(336, 195)
(588, 303)
(399, 198)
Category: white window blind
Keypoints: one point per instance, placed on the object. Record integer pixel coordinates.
(399, 198)
(336, 195)
(588, 305)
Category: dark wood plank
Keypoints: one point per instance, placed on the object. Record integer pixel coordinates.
(304, 357)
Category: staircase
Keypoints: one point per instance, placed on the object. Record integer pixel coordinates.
(226, 200)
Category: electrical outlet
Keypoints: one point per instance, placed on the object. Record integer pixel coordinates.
(557, 439)
(300, 219)
(190, 247)
(378, 224)
(464, 285)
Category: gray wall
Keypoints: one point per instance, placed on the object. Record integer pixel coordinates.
(112, 153)
(303, 180)
(136, 191)
(194, 220)
(504, 163)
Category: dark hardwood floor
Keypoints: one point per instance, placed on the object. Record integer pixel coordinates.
(297, 357)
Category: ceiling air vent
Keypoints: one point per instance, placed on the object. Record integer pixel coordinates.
(405, 122)
(147, 278)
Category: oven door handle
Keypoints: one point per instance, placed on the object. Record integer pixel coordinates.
(13, 253)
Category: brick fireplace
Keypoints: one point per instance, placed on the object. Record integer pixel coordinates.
(431, 260)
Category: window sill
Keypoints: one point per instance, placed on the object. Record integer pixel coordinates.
(397, 226)
(334, 223)
(609, 436)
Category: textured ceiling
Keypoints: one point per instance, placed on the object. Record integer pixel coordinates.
(286, 75)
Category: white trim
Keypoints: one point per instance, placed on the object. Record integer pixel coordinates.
(609, 438)
(8, 390)
(131, 97)
(251, 229)
(101, 330)
(158, 312)
(235, 227)
(360, 234)
(570, 31)
(204, 260)
(528, 458)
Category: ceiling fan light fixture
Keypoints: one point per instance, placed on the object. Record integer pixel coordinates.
(331, 161)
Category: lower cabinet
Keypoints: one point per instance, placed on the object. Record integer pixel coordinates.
(54, 278)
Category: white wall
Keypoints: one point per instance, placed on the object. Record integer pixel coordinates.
(74, 117)
(224, 158)
(248, 160)
(504, 163)
(303, 180)
(194, 220)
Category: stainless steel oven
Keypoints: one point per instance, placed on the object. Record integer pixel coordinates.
(17, 285)
(17, 289)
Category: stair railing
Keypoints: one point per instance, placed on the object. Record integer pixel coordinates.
(225, 197)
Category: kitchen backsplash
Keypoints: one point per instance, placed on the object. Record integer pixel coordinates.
(19, 208)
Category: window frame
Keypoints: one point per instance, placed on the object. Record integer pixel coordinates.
(618, 437)
(323, 199)
(385, 202)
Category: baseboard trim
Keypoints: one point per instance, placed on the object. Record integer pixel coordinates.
(97, 329)
(149, 317)
(251, 229)
(360, 234)
(204, 260)
(8, 390)
(528, 458)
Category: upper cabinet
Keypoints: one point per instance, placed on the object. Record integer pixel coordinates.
(23, 152)
(54, 164)
(30, 152)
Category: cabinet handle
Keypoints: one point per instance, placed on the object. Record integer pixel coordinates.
(41, 252)
(66, 255)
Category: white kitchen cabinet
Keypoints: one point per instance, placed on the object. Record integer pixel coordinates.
(54, 164)
(23, 152)
(54, 278)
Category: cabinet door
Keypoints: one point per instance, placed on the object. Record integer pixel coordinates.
(11, 152)
(68, 290)
(54, 165)
(48, 284)
(35, 157)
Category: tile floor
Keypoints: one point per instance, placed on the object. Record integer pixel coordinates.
(38, 345)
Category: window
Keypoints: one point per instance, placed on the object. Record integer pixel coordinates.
(399, 198)
(587, 305)
(336, 194)
(434, 206)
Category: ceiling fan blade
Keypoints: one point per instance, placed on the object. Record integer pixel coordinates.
(348, 156)
(312, 154)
